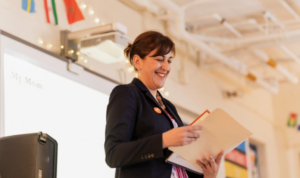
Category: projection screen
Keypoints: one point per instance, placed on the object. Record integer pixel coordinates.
(38, 93)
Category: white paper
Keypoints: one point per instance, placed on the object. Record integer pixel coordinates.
(179, 161)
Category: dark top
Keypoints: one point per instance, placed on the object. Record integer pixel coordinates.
(133, 135)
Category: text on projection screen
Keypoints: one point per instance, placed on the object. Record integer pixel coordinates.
(73, 114)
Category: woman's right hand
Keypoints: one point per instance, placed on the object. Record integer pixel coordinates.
(180, 136)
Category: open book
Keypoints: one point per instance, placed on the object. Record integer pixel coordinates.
(220, 133)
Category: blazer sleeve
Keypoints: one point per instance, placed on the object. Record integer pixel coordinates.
(121, 117)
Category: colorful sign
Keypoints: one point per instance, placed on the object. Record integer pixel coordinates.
(237, 157)
(234, 171)
(292, 120)
(236, 162)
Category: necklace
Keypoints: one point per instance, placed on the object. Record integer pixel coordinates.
(160, 101)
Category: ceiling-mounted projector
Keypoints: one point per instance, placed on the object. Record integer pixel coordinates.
(104, 43)
(106, 48)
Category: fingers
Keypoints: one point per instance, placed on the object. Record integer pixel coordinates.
(186, 135)
(209, 164)
(189, 136)
(218, 160)
(192, 128)
(192, 135)
(196, 127)
(206, 163)
(209, 167)
(189, 141)
(212, 162)
(201, 164)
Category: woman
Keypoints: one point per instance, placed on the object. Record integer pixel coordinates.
(141, 124)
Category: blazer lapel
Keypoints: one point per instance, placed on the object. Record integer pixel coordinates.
(179, 122)
(149, 95)
(140, 84)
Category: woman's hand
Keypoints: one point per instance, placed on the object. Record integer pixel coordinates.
(180, 136)
(211, 167)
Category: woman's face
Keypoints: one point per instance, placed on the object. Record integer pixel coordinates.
(153, 71)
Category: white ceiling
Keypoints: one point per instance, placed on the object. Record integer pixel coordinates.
(237, 13)
(248, 18)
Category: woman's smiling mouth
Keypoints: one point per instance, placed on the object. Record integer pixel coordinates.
(162, 75)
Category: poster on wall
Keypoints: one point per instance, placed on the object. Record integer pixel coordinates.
(236, 162)
(292, 120)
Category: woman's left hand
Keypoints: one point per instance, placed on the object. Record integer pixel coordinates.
(211, 167)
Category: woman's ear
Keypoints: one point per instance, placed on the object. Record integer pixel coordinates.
(137, 61)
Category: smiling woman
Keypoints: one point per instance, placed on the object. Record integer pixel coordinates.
(151, 55)
(148, 42)
(153, 70)
(141, 124)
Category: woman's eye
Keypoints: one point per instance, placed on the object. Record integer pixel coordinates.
(169, 62)
(160, 60)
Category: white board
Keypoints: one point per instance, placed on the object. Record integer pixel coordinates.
(38, 93)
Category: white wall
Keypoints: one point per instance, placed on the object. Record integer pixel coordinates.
(202, 91)
(285, 103)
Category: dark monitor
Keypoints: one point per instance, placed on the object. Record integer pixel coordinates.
(28, 156)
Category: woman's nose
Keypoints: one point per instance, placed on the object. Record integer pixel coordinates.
(165, 65)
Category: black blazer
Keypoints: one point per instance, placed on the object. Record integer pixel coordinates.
(133, 135)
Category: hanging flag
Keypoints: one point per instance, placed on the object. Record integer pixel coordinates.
(28, 5)
(50, 10)
(292, 121)
(73, 12)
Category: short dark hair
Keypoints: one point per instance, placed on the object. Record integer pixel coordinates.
(147, 42)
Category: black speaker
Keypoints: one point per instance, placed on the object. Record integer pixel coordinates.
(28, 156)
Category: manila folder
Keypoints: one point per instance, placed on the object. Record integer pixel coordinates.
(220, 132)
